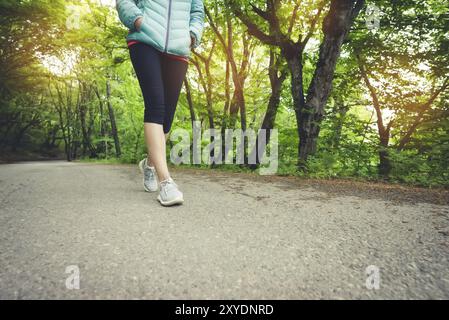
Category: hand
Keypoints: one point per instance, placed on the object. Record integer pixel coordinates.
(138, 23)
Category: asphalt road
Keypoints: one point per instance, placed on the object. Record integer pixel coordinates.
(236, 237)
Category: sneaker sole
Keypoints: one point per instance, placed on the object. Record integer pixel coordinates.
(143, 180)
(171, 202)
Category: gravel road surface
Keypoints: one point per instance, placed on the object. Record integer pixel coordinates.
(237, 236)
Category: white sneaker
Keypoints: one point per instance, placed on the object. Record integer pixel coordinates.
(149, 176)
(169, 194)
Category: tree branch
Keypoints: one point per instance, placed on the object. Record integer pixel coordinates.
(253, 29)
(313, 25)
(373, 93)
(420, 117)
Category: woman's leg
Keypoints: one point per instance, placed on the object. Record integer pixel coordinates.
(173, 75)
(156, 146)
(150, 162)
(147, 64)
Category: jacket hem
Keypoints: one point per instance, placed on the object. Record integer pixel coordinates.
(132, 37)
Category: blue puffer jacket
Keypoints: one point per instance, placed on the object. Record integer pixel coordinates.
(167, 24)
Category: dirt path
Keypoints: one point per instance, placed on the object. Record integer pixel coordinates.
(237, 236)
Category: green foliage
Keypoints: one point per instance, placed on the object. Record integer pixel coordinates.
(49, 106)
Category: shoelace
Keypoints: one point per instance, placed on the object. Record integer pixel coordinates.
(167, 182)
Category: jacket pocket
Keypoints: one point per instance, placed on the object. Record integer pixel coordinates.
(143, 25)
(142, 22)
(183, 45)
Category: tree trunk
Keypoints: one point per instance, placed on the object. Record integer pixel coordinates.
(226, 107)
(336, 26)
(384, 160)
(273, 104)
(238, 75)
(189, 101)
(294, 62)
(112, 119)
(87, 144)
(102, 147)
(64, 134)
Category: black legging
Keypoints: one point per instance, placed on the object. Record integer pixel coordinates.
(160, 78)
